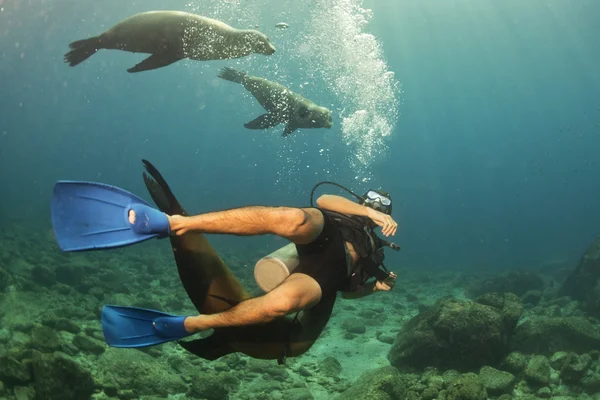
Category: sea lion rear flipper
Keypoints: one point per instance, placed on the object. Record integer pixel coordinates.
(265, 121)
(156, 60)
(210, 285)
(289, 129)
(82, 50)
(210, 348)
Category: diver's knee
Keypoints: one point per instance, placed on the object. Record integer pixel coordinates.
(284, 304)
(307, 225)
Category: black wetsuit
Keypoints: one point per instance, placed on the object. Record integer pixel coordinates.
(324, 259)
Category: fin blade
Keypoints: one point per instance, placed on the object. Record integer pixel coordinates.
(92, 216)
(132, 327)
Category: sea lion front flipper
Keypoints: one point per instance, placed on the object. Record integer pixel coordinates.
(265, 121)
(156, 60)
(289, 129)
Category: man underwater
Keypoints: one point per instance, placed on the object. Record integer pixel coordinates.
(337, 250)
(322, 252)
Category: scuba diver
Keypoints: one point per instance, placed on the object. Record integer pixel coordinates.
(336, 253)
(335, 250)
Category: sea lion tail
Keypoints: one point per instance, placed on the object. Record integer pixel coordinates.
(160, 191)
(233, 75)
(82, 50)
(211, 348)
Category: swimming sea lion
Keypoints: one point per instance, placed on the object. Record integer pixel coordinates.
(213, 288)
(171, 36)
(283, 105)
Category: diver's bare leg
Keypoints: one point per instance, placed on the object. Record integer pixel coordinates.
(300, 225)
(296, 293)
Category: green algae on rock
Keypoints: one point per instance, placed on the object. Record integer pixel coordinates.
(549, 335)
(452, 333)
(57, 377)
(384, 383)
(496, 382)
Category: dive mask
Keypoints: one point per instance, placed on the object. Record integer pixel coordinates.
(378, 200)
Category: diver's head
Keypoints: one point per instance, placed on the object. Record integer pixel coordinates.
(378, 200)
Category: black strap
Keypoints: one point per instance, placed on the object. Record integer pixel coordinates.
(286, 348)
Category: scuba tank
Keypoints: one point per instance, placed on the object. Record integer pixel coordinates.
(271, 270)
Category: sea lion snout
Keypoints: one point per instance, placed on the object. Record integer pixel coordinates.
(258, 42)
(329, 121)
(270, 49)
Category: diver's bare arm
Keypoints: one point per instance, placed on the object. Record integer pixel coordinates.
(257, 310)
(245, 221)
(342, 205)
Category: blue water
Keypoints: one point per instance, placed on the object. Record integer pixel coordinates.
(493, 159)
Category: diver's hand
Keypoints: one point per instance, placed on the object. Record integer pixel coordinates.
(387, 284)
(386, 222)
(177, 224)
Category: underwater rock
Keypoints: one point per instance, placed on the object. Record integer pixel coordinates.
(517, 282)
(515, 362)
(330, 367)
(538, 371)
(212, 386)
(44, 339)
(591, 383)
(12, 371)
(384, 337)
(274, 371)
(62, 324)
(509, 304)
(70, 274)
(532, 297)
(56, 377)
(544, 393)
(4, 279)
(43, 275)
(571, 367)
(24, 393)
(297, 394)
(384, 383)
(467, 387)
(137, 371)
(496, 382)
(354, 325)
(88, 345)
(452, 333)
(549, 335)
(4, 335)
(584, 282)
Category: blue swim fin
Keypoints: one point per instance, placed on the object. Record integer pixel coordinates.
(140, 327)
(92, 215)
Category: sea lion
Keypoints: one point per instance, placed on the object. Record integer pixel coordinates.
(283, 105)
(213, 288)
(170, 36)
